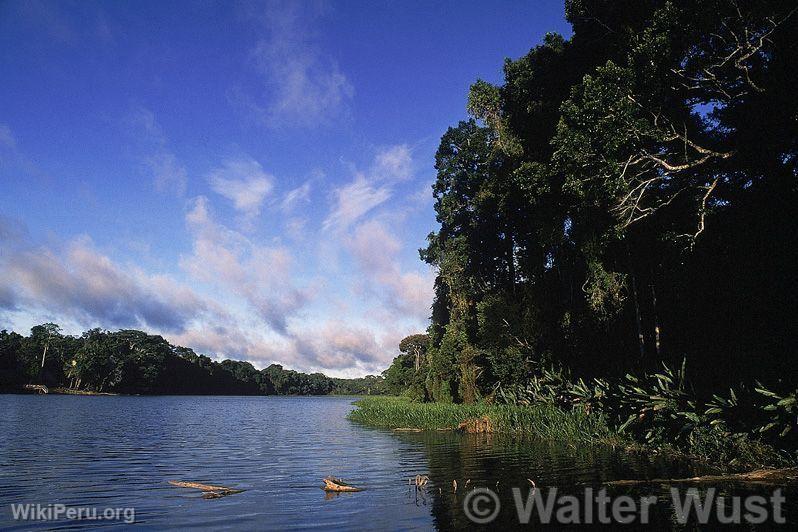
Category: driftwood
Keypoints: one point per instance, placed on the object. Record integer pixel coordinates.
(208, 491)
(337, 485)
(760, 476)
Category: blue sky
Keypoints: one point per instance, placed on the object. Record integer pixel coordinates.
(249, 179)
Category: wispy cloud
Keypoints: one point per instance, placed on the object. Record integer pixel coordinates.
(302, 86)
(393, 163)
(377, 251)
(354, 200)
(338, 345)
(294, 197)
(7, 140)
(169, 175)
(81, 283)
(244, 182)
(369, 189)
(260, 275)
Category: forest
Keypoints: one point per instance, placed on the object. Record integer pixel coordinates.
(134, 362)
(617, 224)
(626, 197)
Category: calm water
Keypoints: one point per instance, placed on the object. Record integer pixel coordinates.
(120, 452)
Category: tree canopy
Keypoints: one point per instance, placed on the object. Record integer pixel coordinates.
(626, 197)
(134, 362)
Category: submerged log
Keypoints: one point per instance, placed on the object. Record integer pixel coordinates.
(338, 485)
(787, 475)
(208, 491)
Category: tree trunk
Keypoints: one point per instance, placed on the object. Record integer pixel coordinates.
(511, 263)
(44, 353)
(640, 340)
(654, 314)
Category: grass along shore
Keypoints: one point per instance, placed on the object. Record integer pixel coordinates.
(543, 421)
(550, 422)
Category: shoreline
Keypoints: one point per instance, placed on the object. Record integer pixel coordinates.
(542, 421)
(20, 390)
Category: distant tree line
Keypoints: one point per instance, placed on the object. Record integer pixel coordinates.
(134, 362)
(627, 197)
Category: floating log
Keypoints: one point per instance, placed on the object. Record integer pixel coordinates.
(208, 491)
(787, 475)
(338, 485)
(38, 388)
(402, 429)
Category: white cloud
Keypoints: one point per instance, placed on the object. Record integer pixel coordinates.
(295, 227)
(168, 174)
(337, 345)
(260, 275)
(371, 188)
(244, 182)
(303, 87)
(393, 163)
(293, 197)
(354, 200)
(376, 251)
(81, 283)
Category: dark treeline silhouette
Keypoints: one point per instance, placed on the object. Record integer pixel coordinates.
(617, 230)
(134, 362)
(626, 197)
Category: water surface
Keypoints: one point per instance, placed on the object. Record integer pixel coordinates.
(120, 452)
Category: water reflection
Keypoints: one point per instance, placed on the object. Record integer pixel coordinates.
(501, 464)
(122, 451)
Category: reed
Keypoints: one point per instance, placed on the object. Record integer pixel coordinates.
(538, 420)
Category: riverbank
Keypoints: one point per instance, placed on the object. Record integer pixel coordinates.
(573, 426)
(541, 421)
(72, 391)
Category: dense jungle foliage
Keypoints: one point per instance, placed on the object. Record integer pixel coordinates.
(134, 362)
(626, 198)
(625, 203)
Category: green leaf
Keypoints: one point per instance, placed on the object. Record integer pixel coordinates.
(767, 427)
(766, 393)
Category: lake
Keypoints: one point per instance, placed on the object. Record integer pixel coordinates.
(120, 452)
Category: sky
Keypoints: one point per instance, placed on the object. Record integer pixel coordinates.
(248, 179)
